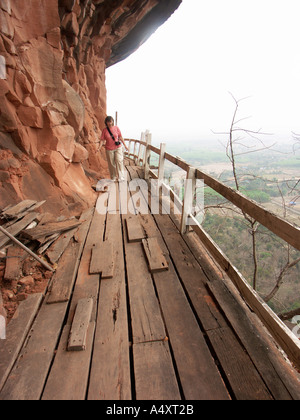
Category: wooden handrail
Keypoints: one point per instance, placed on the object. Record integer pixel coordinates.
(285, 230)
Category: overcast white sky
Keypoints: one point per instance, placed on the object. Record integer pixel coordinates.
(176, 85)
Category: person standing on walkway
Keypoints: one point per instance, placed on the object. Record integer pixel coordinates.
(112, 139)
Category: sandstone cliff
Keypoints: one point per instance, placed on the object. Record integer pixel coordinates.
(53, 57)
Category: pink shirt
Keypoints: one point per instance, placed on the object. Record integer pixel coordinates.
(110, 144)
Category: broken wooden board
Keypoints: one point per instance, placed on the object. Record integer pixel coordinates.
(80, 325)
(58, 247)
(156, 259)
(14, 261)
(21, 207)
(135, 232)
(16, 333)
(15, 229)
(50, 229)
(102, 260)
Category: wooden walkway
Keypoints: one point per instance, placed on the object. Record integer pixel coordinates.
(174, 330)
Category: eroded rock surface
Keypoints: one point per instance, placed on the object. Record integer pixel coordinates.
(53, 57)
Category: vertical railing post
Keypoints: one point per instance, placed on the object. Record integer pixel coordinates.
(161, 165)
(147, 154)
(134, 152)
(140, 152)
(189, 192)
(129, 148)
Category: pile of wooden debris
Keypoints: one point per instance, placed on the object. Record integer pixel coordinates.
(31, 243)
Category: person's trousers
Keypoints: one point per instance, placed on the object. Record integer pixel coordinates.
(115, 163)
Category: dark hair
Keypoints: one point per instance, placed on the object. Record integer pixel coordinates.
(108, 119)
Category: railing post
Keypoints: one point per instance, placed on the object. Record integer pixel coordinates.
(161, 165)
(140, 150)
(129, 147)
(147, 154)
(189, 192)
(134, 152)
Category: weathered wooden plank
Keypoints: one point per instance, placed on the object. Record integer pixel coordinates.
(15, 257)
(50, 228)
(250, 340)
(58, 247)
(80, 325)
(277, 328)
(102, 260)
(155, 378)
(155, 257)
(68, 378)
(13, 211)
(64, 277)
(16, 333)
(15, 229)
(147, 323)
(199, 376)
(190, 272)
(244, 379)
(110, 369)
(27, 378)
(135, 232)
(199, 380)
(87, 285)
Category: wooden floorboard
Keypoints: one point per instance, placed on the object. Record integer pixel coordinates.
(149, 335)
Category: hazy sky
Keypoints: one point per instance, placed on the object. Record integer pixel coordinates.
(176, 85)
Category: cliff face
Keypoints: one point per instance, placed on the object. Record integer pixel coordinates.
(53, 56)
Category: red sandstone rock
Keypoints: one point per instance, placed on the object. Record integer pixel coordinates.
(53, 94)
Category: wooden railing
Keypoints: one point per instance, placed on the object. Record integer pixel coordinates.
(282, 228)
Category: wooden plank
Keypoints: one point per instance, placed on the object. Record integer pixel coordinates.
(102, 260)
(64, 277)
(135, 232)
(155, 257)
(27, 378)
(68, 378)
(276, 327)
(16, 333)
(69, 374)
(58, 247)
(80, 324)
(251, 340)
(15, 229)
(14, 261)
(50, 229)
(110, 377)
(244, 379)
(199, 380)
(190, 272)
(147, 323)
(199, 376)
(13, 211)
(155, 378)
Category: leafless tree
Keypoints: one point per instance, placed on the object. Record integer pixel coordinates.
(238, 144)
